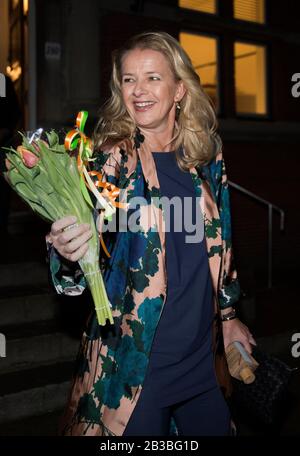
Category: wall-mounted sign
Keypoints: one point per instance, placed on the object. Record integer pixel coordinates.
(52, 50)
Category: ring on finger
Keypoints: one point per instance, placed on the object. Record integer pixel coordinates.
(69, 227)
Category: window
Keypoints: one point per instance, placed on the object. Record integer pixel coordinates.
(250, 78)
(205, 6)
(250, 10)
(202, 50)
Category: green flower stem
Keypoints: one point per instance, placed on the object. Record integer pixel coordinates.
(90, 267)
(97, 288)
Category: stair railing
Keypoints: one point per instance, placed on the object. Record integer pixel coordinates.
(271, 208)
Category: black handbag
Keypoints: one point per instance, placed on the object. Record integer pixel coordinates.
(262, 402)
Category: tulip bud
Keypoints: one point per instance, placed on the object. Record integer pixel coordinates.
(7, 164)
(29, 158)
(36, 146)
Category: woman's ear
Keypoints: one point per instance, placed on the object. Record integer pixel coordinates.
(180, 92)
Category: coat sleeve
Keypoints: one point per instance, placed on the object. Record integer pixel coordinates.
(67, 277)
(229, 288)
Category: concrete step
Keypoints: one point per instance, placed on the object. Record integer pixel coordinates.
(22, 221)
(39, 343)
(24, 305)
(25, 238)
(23, 274)
(33, 426)
(37, 391)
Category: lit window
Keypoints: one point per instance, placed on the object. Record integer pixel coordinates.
(206, 6)
(15, 4)
(202, 50)
(250, 78)
(25, 7)
(250, 10)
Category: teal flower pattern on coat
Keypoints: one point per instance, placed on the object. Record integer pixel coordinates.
(131, 366)
(148, 312)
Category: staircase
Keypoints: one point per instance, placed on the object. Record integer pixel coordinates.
(41, 330)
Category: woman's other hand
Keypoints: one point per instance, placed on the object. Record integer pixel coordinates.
(236, 330)
(70, 239)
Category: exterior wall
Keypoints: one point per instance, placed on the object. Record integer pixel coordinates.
(4, 35)
(72, 82)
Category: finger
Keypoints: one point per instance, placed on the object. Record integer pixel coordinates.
(252, 340)
(75, 256)
(78, 242)
(250, 337)
(62, 223)
(248, 347)
(73, 233)
(226, 343)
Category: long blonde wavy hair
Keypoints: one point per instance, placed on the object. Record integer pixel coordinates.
(196, 123)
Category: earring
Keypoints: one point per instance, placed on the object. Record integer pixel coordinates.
(178, 105)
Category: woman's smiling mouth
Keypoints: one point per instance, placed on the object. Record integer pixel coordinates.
(141, 106)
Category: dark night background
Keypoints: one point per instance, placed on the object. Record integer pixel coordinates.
(57, 52)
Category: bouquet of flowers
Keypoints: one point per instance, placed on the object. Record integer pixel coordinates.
(54, 183)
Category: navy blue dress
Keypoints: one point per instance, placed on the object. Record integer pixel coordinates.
(181, 360)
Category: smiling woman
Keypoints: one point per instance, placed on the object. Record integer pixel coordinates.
(150, 92)
(160, 368)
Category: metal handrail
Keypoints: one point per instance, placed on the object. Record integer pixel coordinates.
(271, 207)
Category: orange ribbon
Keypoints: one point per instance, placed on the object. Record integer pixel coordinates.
(110, 192)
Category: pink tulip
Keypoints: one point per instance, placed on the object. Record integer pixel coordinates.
(29, 159)
(35, 145)
(7, 164)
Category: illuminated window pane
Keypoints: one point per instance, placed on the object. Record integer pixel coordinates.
(15, 3)
(250, 78)
(203, 53)
(206, 6)
(250, 10)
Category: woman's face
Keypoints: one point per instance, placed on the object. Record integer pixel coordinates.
(149, 89)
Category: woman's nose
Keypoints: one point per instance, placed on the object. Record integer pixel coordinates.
(139, 88)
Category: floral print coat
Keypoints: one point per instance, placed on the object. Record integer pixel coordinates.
(112, 360)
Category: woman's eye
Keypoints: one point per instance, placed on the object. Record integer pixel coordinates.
(154, 78)
(127, 80)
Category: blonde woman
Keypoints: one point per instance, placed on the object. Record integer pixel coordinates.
(160, 368)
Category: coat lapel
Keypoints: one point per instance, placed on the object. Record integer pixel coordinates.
(150, 174)
(212, 225)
